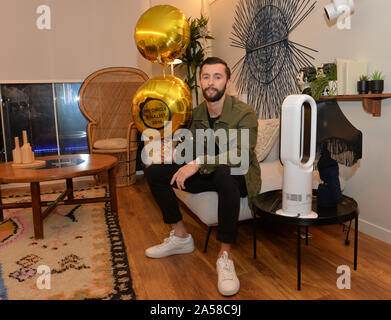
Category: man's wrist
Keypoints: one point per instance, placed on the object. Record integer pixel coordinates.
(197, 162)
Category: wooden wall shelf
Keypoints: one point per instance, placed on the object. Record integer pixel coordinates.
(370, 102)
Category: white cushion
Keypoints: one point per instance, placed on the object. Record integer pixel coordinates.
(268, 133)
(114, 143)
(271, 175)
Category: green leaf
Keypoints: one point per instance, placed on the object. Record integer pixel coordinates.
(318, 86)
(194, 54)
(377, 75)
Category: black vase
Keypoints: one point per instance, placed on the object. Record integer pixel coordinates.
(363, 87)
(376, 86)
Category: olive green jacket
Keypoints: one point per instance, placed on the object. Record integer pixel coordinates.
(235, 115)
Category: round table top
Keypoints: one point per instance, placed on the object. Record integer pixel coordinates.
(58, 167)
(269, 202)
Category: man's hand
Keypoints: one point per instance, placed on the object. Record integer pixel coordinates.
(183, 173)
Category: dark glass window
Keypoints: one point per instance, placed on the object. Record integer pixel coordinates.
(2, 152)
(54, 124)
(29, 107)
(71, 123)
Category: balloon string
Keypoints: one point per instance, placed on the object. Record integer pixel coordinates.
(164, 66)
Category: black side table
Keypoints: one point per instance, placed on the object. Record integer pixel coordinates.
(266, 205)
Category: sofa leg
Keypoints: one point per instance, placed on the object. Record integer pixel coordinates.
(255, 236)
(207, 239)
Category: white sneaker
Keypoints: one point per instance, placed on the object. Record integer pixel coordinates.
(170, 246)
(228, 283)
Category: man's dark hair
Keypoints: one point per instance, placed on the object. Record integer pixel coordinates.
(216, 60)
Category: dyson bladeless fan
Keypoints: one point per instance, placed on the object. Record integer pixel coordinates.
(298, 149)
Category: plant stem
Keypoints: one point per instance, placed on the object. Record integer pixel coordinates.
(196, 87)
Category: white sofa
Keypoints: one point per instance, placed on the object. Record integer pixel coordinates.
(204, 205)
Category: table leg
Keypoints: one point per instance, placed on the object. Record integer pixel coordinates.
(36, 206)
(70, 187)
(298, 259)
(347, 241)
(355, 240)
(207, 239)
(306, 235)
(113, 190)
(255, 235)
(1, 209)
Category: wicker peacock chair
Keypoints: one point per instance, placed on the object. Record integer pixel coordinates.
(106, 101)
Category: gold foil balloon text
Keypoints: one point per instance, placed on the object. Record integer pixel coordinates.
(161, 99)
(162, 34)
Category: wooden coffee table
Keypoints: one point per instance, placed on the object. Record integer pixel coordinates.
(57, 168)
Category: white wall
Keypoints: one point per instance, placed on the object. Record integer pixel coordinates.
(368, 39)
(84, 37)
(190, 8)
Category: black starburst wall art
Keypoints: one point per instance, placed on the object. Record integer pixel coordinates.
(268, 70)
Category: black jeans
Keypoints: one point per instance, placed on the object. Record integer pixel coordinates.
(228, 187)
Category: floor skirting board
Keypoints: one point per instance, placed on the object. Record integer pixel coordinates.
(374, 230)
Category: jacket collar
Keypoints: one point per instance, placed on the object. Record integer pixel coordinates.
(225, 113)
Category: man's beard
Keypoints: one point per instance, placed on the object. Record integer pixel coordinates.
(216, 97)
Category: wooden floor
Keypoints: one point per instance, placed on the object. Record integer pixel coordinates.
(271, 276)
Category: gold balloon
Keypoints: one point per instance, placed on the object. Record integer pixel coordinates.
(162, 34)
(160, 99)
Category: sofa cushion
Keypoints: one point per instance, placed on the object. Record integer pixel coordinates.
(268, 132)
(114, 143)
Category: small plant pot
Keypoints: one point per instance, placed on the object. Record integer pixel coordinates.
(376, 86)
(362, 87)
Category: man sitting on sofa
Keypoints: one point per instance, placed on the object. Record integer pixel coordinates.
(208, 172)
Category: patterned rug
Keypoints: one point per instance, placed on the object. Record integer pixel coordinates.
(82, 255)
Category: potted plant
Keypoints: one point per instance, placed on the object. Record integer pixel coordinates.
(363, 84)
(376, 85)
(195, 52)
(318, 86)
(325, 82)
(330, 71)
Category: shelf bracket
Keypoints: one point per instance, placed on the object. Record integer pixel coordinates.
(372, 105)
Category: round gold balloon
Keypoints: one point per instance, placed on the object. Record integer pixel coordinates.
(162, 34)
(161, 99)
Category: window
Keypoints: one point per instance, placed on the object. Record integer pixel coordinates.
(71, 124)
(50, 114)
